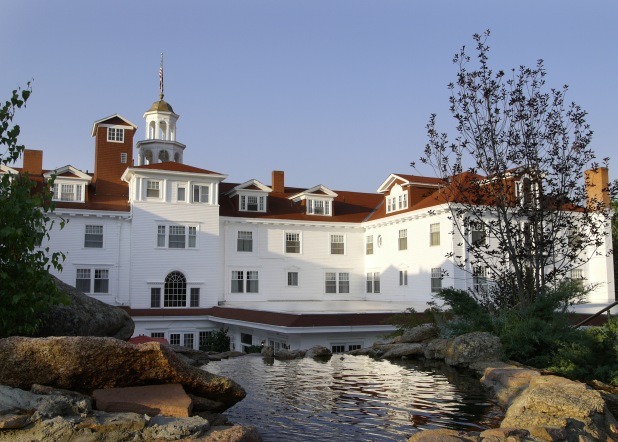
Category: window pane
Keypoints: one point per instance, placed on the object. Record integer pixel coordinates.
(331, 282)
(434, 230)
(177, 237)
(182, 194)
(195, 297)
(293, 279)
(436, 279)
(376, 282)
(160, 236)
(152, 189)
(369, 245)
(94, 237)
(175, 290)
(174, 338)
(344, 283)
(336, 245)
(82, 281)
(292, 243)
(101, 281)
(245, 241)
(192, 237)
(252, 282)
(155, 297)
(237, 282)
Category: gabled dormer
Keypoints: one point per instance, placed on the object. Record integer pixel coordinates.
(318, 200)
(399, 190)
(252, 196)
(69, 185)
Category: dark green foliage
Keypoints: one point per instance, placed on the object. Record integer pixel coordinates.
(218, 341)
(591, 354)
(253, 349)
(26, 287)
(463, 314)
(410, 318)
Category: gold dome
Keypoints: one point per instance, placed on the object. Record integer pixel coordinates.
(161, 106)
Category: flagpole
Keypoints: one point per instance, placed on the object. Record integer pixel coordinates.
(161, 78)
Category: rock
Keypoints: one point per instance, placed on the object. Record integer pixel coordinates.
(113, 424)
(193, 357)
(436, 348)
(505, 434)
(552, 401)
(268, 352)
(367, 351)
(226, 355)
(16, 400)
(59, 405)
(439, 435)
(165, 400)
(84, 316)
(506, 383)
(286, 355)
(85, 364)
(201, 404)
(237, 433)
(318, 352)
(473, 347)
(168, 428)
(420, 333)
(404, 350)
(12, 421)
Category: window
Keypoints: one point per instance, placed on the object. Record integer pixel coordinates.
(292, 242)
(155, 297)
(115, 134)
(252, 203)
(337, 245)
(68, 192)
(159, 335)
(194, 301)
(203, 338)
(318, 207)
(177, 237)
(174, 338)
(181, 194)
(331, 280)
(200, 194)
(478, 237)
(292, 279)
(403, 239)
(479, 279)
(527, 191)
(369, 245)
(577, 275)
(397, 199)
(153, 189)
(434, 234)
(175, 290)
(340, 348)
(246, 340)
(94, 237)
(354, 347)
(436, 279)
(188, 340)
(238, 278)
(244, 243)
(92, 280)
(123, 157)
(373, 282)
(403, 277)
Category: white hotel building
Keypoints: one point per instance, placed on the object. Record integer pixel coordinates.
(186, 252)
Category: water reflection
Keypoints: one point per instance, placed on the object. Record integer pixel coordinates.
(354, 398)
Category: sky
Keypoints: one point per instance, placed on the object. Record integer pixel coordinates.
(333, 92)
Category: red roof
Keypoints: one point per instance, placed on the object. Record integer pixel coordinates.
(173, 166)
(141, 339)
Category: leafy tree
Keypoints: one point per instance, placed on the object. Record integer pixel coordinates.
(217, 341)
(514, 181)
(26, 287)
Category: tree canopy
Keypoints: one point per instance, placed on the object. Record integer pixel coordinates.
(26, 286)
(514, 180)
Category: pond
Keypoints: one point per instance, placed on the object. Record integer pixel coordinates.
(355, 398)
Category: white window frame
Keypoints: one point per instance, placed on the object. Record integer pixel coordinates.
(115, 134)
(337, 238)
(290, 242)
(480, 280)
(124, 157)
(93, 236)
(93, 274)
(250, 281)
(200, 193)
(164, 234)
(319, 207)
(436, 279)
(336, 282)
(369, 245)
(397, 199)
(434, 234)
(153, 189)
(259, 204)
(69, 192)
(403, 277)
(182, 188)
(402, 242)
(244, 237)
(373, 282)
(292, 278)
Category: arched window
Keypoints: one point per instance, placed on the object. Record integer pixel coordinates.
(163, 131)
(164, 156)
(175, 290)
(151, 130)
(177, 157)
(148, 157)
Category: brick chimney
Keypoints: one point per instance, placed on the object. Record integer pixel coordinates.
(278, 181)
(597, 182)
(33, 162)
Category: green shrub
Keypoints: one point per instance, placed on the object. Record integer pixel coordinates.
(217, 341)
(460, 314)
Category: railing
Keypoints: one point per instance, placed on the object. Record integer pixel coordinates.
(597, 314)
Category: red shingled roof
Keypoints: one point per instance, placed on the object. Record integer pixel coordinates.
(175, 167)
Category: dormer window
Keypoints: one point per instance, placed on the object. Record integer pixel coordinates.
(115, 134)
(527, 191)
(318, 207)
(252, 203)
(68, 192)
(200, 194)
(397, 199)
(153, 189)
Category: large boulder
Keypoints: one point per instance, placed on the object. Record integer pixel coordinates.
(84, 316)
(507, 382)
(473, 348)
(87, 363)
(419, 333)
(399, 351)
(319, 352)
(555, 402)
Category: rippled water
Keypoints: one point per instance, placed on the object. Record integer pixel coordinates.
(354, 398)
